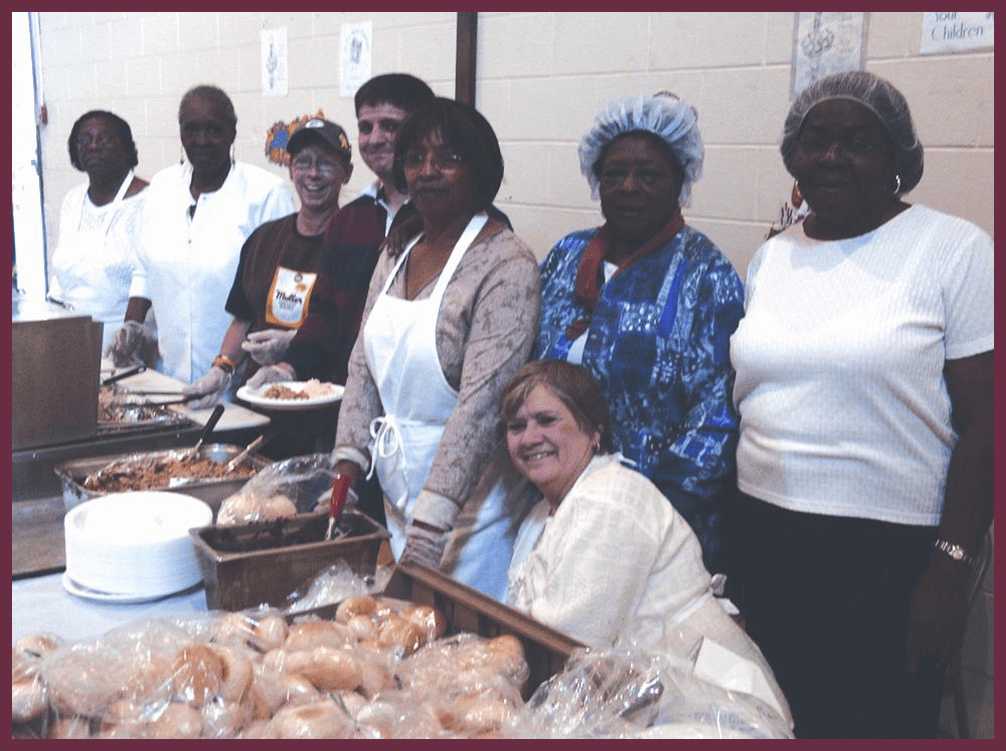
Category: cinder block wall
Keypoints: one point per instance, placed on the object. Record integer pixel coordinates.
(541, 78)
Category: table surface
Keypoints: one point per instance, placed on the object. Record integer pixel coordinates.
(40, 604)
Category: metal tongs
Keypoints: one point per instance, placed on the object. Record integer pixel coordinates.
(210, 424)
(340, 489)
(124, 374)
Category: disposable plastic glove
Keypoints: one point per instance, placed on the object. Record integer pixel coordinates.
(424, 546)
(272, 374)
(211, 387)
(130, 341)
(268, 346)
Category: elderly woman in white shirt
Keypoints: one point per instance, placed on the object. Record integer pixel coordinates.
(99, 221)
(603, 555)
(198, 214)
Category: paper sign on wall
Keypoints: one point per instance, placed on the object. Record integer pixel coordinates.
(274, 62)
(355, 47)
(954, 32)
(826, 43)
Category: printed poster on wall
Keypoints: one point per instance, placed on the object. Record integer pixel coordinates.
(354, 56)
(956, 32)
(826, 43)
(274, 62)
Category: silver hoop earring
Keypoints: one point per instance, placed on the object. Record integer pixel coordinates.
(181, 155)
(897, 183)
(232, 154)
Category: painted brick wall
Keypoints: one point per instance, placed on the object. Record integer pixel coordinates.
(541, 78)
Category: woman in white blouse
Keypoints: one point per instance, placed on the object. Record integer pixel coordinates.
(864, 386)
(603, 556)
(99, 222)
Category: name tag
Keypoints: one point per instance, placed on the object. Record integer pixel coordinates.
(289, 297)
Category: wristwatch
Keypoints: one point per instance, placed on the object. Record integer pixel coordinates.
(955, 551)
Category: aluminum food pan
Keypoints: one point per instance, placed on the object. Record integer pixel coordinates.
(137, 417)
(213, 491)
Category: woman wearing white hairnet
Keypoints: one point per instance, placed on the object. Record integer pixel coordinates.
(647, 305)
(864, 384)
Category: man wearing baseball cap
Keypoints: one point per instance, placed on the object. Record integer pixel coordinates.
(277, 273)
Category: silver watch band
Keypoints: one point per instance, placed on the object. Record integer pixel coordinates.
(955, 552)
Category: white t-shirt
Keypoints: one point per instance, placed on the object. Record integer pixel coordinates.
(185, 266)
(844, 408)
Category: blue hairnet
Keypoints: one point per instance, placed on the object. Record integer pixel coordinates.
(877, 95)
(669, 118)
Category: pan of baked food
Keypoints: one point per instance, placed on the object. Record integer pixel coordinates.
(204, 476)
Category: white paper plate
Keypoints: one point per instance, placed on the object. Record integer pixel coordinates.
(79, 590)
(255, 398)
(135, 544)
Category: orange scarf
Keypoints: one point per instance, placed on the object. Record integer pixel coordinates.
(590, 276)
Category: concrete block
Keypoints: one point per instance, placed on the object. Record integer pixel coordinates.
(400, 19)
(567, 187)
(162, 117)
(198, 31)
(744, 105)
(50, 21)
(125, 38)
(249, 109)
(773, 184)
(779, 37)
(516, 45)
(160, 34)
(600, 42)
(222, 67)
(111, 77)
(891, 35)
(525, 180)
(103, 18)
(298, 25)
(952, 98)
(314, 63)
(738, 241)
(94, 42)
(492, 98)
(238, 29)
(179, 72)
(726, 187)
(249, 61)
(428, 51)
(960, 182)
(552, 109)
(387, 53)
(81, 81)
(698, 40)
(685, 83)
(143, 76)
(541, 227)
(60, 45)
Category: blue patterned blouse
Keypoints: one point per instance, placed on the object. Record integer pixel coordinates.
(658, 343)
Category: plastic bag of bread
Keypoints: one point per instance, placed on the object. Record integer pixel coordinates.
(334, 583)
(283, 489)
(631, 693)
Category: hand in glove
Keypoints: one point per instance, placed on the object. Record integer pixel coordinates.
(424, 545)
(210, 387)
(268, 346)
(271, 374)
(127, 348)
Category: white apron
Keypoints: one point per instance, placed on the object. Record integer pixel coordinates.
(90, 276)
(401, 350)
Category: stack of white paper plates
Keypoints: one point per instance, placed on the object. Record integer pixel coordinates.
(136, 545)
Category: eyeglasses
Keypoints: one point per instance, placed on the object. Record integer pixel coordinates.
(324, 167)
(445, 159)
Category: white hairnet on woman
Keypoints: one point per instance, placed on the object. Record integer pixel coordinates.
(877, 95)
(667, 116)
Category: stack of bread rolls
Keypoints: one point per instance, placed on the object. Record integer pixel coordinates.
(380, 669)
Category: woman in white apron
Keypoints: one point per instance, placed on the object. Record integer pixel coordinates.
(451, 315)
(278, 267)
(99, 222)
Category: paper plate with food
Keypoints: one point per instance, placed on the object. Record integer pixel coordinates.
(292, 396)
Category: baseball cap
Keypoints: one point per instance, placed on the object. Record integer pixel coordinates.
(325, 130)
